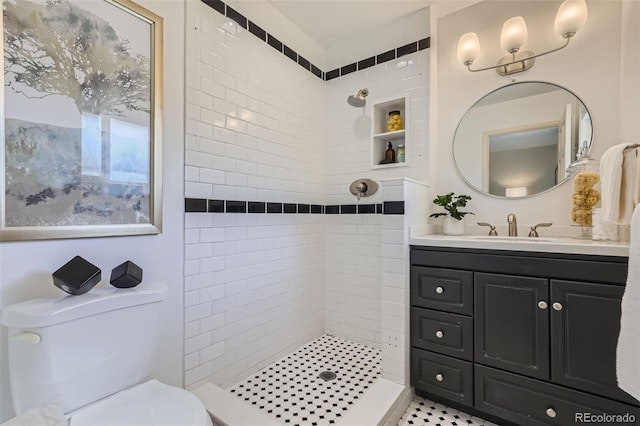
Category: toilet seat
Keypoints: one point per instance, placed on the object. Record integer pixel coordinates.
(148, 404)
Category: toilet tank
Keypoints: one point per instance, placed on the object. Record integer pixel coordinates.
(75, 350)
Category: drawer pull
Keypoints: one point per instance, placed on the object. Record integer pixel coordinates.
(439, 290)
(542, 304)
(439, 377)
(557, 306)
(551, 412)
(439, 334)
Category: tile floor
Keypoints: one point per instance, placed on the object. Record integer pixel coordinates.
(423, 412)
(291, 391)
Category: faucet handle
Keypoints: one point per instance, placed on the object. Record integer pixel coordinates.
(534, 232)
(492, 231)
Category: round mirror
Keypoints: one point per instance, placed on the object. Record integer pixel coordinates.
(519, 139)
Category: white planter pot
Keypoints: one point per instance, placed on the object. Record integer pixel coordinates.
(453, 226)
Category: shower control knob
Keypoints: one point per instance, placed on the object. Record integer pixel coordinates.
(439, 290)
(439, 334)
(362, 187)
(439, 377)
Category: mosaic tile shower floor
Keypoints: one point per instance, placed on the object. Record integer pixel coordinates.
(291, 391)
(423, 412)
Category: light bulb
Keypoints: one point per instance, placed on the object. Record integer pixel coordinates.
(571, 16)
(514, 34)
(468, 48)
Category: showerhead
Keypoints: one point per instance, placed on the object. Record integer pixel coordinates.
(358, 100)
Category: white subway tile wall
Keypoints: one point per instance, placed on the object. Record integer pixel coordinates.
(352, 277)
(261, 128)
(255, 132)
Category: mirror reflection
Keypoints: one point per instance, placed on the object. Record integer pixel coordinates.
(520, 139)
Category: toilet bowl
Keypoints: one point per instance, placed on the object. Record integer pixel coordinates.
(92, 356)
(149, 403)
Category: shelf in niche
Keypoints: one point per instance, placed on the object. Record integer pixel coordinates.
(381, 137)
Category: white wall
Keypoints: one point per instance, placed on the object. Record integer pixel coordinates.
(26, 267)
(255, 130)
(584, 67)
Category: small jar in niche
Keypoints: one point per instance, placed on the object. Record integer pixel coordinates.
(395, 121)
(400, 153)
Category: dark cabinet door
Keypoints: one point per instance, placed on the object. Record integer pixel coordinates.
(511, 327)
(585, 322)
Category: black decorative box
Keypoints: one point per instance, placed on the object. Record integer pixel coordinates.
(77, 276)
(126, 275)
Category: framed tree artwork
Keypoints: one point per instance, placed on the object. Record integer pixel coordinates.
(81, 119)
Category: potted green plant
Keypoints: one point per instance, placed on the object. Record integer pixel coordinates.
(453, 223)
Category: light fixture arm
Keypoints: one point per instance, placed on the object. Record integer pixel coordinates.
(503, 69)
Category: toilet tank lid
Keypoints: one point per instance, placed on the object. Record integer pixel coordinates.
(49, 311)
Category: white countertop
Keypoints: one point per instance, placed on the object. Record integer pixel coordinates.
(541, 244)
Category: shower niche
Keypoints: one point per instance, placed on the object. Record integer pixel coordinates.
(388, 144)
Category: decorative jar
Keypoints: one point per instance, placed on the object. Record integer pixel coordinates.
(395, 121)
(584, 175)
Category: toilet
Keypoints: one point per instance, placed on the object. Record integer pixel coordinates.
(92, 355)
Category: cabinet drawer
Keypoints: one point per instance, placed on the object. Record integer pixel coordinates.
(441, 375)
(530, 402)
(442, 289)
(442, 332)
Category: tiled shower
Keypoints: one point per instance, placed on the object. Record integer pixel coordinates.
(275, 143)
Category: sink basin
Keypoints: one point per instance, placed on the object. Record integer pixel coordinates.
(511, 239)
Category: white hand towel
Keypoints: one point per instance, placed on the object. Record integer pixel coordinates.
(49, 415)
(628, 351)
(611, 182)
(628, 187)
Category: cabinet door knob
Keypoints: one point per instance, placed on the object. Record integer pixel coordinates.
(557, 306)
(439, 334)
(542, 304)
(439, 290)
(551, 412)
(439, 377)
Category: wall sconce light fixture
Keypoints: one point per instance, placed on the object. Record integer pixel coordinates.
(571, 17)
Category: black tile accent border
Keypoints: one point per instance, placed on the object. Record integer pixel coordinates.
(274, 207)
(407, 49)
(235, 206)
(202, 205)
(348, 69)
(366, 63)
(393, 207)
(386, 56)
(425, 43)
(257, 31)
(237, 16)
(256, 207)
(330, 75)
(304, 208)
(274, 42)
(195, 205)
(304, 63)
(348, 209)
(216, 5)
(290, 208)
(332, 209)
(366, 208)
(226, 10)
(290, 53)
(216, 206)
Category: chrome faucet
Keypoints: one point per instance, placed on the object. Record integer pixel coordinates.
(513, 225)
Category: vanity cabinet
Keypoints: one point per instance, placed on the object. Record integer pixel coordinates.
(544, 333)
